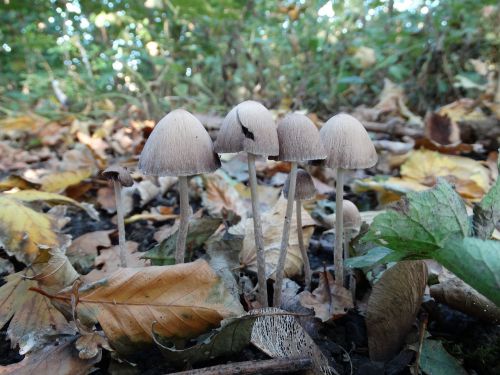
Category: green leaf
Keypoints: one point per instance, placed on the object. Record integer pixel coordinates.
(199, 231)
(487, 212)
(475, 261)
(374, 256)
(230, 338)
(421, 222)
(435, 360)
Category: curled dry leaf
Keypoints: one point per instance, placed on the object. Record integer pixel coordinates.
(90, 345)
(56, 358)
(272, 225)
(186, 300)
(393, 306)
(279, 335)
(328, 300)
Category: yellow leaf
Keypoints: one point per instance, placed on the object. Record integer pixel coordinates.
(185, 300)
(59, 181)
(462, 110)
(21, 124)
(23, 230)
(272, 227)
(469, 176)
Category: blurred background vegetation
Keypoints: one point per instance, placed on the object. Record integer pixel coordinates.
(91, 57)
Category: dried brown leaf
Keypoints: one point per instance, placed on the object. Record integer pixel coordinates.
(90, 345)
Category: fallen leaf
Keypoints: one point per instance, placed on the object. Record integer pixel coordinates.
(108, 261)
(84, 249)
(328, 300)
(393, 306)
(95, 144)
(149, 216)
(272, 227)
(441, 130)
(365, 56)
(220, 193)
(90, 345)
(23, 230)
(22, 124)
(57, 182)
(435, 360)
(106, 199)
(55, 358)
(186, 300)
(462, 110)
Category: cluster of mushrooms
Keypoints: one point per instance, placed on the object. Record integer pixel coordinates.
(180, 146)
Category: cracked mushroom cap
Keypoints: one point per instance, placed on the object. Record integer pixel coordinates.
(351, 215)
(304, 188)
(248, 127)
(115, 172)
(347, 143)
(179, 145)
(299, 139)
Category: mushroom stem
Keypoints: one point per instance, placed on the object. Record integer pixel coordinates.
(180, 251)
(303, 251)
(339, 228)
(259, 238)
(120, 222)
(350, 277)
(280, 268)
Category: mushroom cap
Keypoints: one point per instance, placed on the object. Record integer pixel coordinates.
(299, 139)
(351, 215)
(304, 188)
(248, 127)
(179, 145)
(116, 172)
(347, 143)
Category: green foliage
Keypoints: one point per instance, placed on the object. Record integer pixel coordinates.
(434, 225)
(167, 53)
(435, 360)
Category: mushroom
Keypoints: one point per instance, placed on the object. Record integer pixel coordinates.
(298, 142)
(348, 147)
(304, 189)
(179, 146)
(120, 177)
(250, 127)
(352, 223)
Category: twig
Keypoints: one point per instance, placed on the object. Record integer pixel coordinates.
(423, 327)
(270, 366)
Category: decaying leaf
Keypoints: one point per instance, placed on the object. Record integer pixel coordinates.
(328, 300)
(435, 360)
(220, 194)
(57, 358)
(272, 226)
(90, 345)
(280, 336)
(108, 261)
(393, 306)
(83, 250)
(186, 300)
(230, 338)
(57, 182)
(23, 231)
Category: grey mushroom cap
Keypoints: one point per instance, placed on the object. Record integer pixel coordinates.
(304, 188)
(347, 143)
(299, 139)
(116, 172)
(248, 127)
(351, 215)
(179, 145)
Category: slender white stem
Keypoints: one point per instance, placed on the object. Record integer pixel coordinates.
(280, 268)
(121, 223)
(180, 251)
(257, 227)
(303, 250)
(339, 228)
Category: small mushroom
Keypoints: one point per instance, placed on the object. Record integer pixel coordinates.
(304, 189)
(120, 177)
(250, 127)
(352, 225)
(298, 142)
(179, 146)
(348, 147)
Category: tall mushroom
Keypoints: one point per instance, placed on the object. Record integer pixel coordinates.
(298, 142)
(250, 127)
(304, 189)
(120, 177)
(179, 146)
(348, 147)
